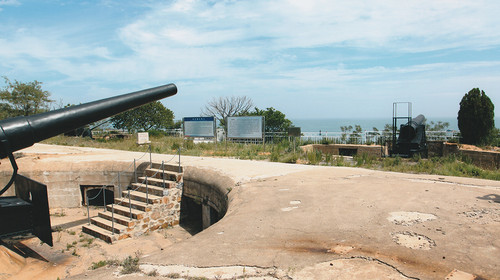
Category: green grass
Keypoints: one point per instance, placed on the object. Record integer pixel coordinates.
(449, 166)
(99, 264)
(284, 152)
(129, 265)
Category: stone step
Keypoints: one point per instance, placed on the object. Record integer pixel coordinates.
(161, 179)
(157, 182)
(168, 167)
(122, 220)
(159, 173)
(100, 233)
(108, 225)
(156, 190)
(142, 197)
(138, 205)
(125, 211)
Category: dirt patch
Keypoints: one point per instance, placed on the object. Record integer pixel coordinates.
(221, 272)
(75, 252)
(409, 218)
(475, 148)
(356, 268)
(413, 240)
(10, 263)
(341, 249)
(483, 216)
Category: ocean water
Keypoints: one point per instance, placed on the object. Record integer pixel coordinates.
(333, 125)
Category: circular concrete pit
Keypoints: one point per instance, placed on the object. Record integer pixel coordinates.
(310, 222)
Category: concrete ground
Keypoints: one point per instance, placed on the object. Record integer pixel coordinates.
(306, 222)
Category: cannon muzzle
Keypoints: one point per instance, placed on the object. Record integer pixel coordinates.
(409, 130)
(21, 132)
(412, 139)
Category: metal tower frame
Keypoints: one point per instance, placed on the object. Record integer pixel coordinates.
(396, 117)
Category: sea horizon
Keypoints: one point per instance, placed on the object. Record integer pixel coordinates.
(367, 124)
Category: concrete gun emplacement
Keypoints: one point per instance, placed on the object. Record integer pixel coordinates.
(28, 211)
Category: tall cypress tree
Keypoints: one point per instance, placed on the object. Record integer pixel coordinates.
(476, 117)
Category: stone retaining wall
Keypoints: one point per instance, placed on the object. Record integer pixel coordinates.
(488, 160)
(162, 215)
(484, 159)
(338, 149)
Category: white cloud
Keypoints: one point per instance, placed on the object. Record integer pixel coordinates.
(270, 49)
(289, 24)
(9, 3)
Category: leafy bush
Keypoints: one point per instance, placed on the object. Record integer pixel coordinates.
(388, 163)
(130, 265)
(340, 161)
(289, 158)
(189, 144)
(325, 141)
(156, 133)
(364, 159)
(314, 157)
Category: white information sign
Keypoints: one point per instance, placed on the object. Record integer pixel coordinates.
(245, 127)
(143, 138)
(199, 127)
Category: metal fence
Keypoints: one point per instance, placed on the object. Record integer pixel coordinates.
(364, 137)
(369, 137)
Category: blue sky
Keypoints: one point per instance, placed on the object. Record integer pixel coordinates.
(308, 59)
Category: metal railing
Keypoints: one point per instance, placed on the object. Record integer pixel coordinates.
(117, 179)
(368, 137)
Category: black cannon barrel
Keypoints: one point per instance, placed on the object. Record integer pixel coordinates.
(408, 131)
(21, 132)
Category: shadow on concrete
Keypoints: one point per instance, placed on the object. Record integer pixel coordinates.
(492, 197)
(22, 250)
(69, 224)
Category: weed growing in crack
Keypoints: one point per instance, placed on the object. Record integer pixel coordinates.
(99, 264)
(153, 273)
(130, 265)
(173, 275)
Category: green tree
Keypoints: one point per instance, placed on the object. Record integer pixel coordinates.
(355, 137)
(476, 117)
(23, 99)
(275, 120)
(387, 132)
(346, 130)
(149, 116)
(4, 111)
(439, 126)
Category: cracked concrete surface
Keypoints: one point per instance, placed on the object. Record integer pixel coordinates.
(335, 225)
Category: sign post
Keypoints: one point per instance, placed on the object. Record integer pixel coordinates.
(294, 132)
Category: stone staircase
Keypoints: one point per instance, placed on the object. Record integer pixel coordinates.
(151, 203)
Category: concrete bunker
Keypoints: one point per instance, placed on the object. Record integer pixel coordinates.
(204, 197)
(204, 191)
(97, 195)
(348, 151)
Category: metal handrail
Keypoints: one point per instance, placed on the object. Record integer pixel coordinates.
(147, 198)
(118, 180)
